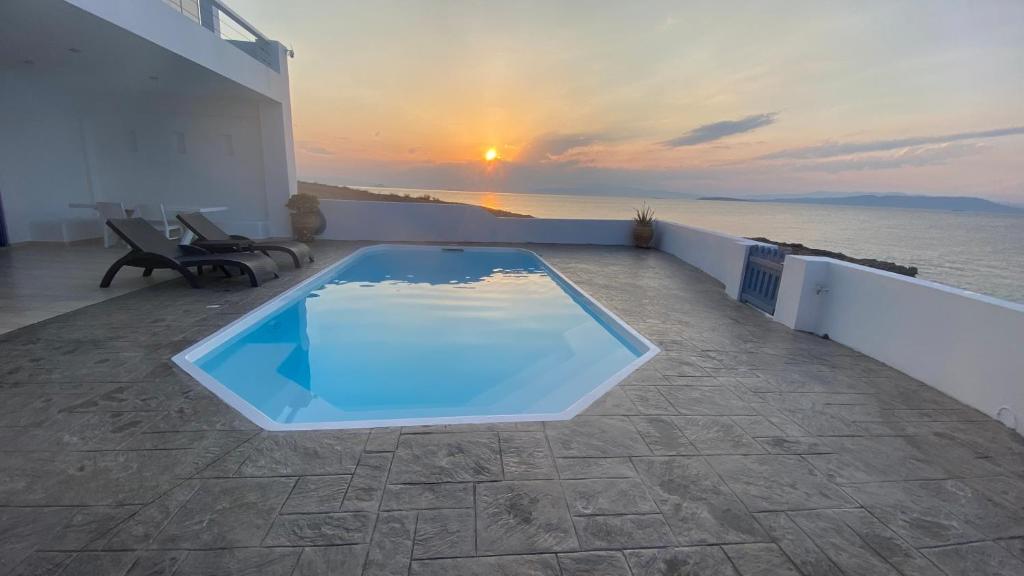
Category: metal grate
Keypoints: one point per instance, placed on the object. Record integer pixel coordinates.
(762, 277)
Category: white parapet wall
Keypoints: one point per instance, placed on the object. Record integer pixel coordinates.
(721, 256)
(428, 222)
(967, 345)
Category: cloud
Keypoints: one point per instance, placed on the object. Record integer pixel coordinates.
(834, 149)
(723, 129)
(313, 148)
(548, 147)
(914, 157)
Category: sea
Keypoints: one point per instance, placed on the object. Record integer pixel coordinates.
(979, 252)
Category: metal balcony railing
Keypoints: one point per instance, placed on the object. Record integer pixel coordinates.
(215, 16)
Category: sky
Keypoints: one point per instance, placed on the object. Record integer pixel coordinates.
(657, 98)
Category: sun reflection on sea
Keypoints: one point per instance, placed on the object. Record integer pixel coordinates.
(491, 200)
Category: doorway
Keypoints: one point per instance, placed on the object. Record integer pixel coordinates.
(3, 223)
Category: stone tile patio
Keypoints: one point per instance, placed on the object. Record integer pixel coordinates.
(744, 448)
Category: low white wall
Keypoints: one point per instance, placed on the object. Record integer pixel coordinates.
(423, 222)
(967, 345)
(721, 256)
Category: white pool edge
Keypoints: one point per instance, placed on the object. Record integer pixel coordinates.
(186, 359)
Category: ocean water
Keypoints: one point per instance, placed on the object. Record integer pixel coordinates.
(982, 253)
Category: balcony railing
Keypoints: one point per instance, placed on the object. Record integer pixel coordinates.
(224, 22)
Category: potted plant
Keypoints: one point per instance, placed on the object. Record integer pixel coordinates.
(643, 227)
(307, 220)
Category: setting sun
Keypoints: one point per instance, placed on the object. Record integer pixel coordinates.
(491, 154)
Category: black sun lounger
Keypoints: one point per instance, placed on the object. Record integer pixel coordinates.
(151, 250)
(211, 237)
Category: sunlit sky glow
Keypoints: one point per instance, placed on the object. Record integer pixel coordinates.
(651, 97)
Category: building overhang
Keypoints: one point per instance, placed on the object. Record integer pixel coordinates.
(110, 48)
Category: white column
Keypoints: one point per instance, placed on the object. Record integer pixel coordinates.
(803, 292)
(278, 154)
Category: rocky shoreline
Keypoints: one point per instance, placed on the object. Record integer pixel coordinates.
(330, 192)
(801, 250)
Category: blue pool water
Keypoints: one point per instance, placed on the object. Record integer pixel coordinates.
(400, 333)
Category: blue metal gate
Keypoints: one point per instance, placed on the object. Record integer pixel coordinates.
(762, 276)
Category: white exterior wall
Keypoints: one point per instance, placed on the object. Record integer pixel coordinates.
(75, 133)
(42, 163)
(53, 152)
(423, 222)
(134, 158)
(279, 177)
(966, 345)
(721, 256)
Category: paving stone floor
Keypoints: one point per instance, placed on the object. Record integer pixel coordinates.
(744, 448)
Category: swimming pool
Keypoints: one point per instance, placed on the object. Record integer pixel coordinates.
(399, 335)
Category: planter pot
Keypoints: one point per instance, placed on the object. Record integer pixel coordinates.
(306, 224)
(321, 227)
(643, 236)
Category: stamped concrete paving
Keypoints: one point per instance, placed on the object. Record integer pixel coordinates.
(744, 448)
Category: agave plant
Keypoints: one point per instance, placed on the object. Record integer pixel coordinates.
(644, 216)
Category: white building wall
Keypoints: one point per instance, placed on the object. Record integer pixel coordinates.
(722, 256)
(966, 345)
(137, 159)
(71, 134)
(54, 151)
(279, 177)
(42, 163)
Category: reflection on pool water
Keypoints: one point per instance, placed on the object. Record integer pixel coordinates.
(404, 334)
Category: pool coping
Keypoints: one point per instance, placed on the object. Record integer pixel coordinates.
(186, 358)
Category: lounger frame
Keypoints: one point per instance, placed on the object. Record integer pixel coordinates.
(191, 256)
(211, 237)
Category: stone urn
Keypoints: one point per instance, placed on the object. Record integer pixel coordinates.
(307, 219)
(643, 227)
(643, 235)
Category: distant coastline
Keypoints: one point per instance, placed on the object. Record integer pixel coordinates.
(914, 202)
(331, 192)
(798, 249)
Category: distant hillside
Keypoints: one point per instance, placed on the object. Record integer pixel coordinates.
(328, 192)
(950, 203)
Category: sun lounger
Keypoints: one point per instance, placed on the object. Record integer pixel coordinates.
(151, 250)
(211, 237)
